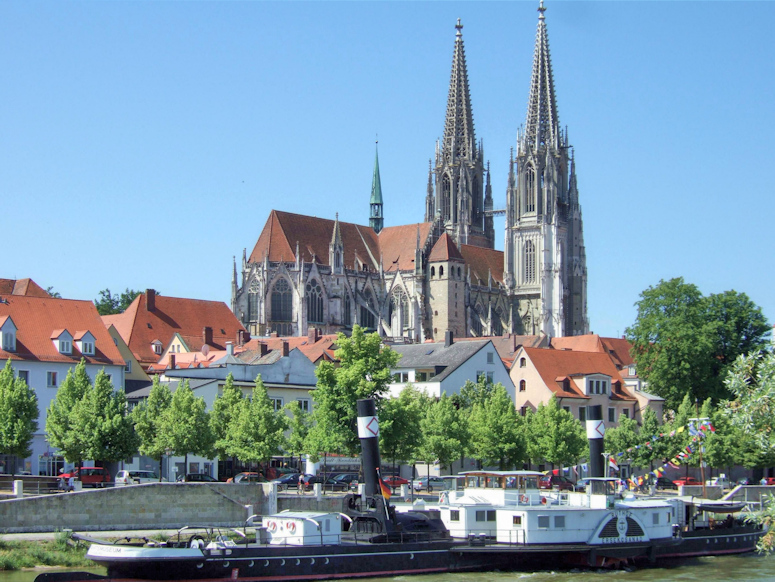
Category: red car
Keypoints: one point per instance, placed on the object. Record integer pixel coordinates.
(556, 481)
(687, 481)
(395, 481)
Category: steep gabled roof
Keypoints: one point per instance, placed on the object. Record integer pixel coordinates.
(283, 230)
(618, 349)
(507, 345)
(445, 249)
(554, 365)
(38, 318)
(139, 327)
(26, 287)
(398, 243)
(445, 359)
(483, 261)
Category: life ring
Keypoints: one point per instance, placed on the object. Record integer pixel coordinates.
(543, 501)
(271, 526)
(292, 527)
(524, 499)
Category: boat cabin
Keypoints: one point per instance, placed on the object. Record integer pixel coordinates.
(303, 528)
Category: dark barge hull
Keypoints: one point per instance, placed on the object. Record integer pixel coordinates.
(698, 543)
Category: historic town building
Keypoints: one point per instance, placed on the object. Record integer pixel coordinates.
(415, 282)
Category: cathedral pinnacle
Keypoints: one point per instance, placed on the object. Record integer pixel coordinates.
(459, 140)
(376, 218)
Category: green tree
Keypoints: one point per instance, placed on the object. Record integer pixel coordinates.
(653, 448)
(54, 294)
(223, 413)
(363, 372)
(400, 419)
(108, 304)
(445, 436)
(186, 425)
(299, 424)
(105, 420)
(64, 416)
(257, 432)
(18, 415)
(474, 392)
(684, 342)
(621, 438)
(559, 438)
(498, 435)
(150, 418)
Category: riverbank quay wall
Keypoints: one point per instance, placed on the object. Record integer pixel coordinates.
(147, 506)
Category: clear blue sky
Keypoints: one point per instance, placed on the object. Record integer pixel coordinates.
(143, 144)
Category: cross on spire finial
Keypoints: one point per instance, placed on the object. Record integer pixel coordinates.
(459, 28)
(541, 9)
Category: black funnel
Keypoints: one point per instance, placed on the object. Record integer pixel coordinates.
(596, 434)
(368, 433)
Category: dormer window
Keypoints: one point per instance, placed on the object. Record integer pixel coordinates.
(65, 347)
(157, 347)
(85, 342)
(8, 334)
(63, 341)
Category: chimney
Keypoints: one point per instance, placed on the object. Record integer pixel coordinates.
(150, 300)
(448, 338)
(207, 335)
(285, 349)
(311, 335)
(172, 362)
(242, 337)
(229, 349)
(262, 348)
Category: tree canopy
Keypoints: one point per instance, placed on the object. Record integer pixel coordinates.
(149, 417)
(257, 431)
(445, 433)
(64, 415)
(556, 436)
(683, 342)
(497, 431)
(18, 415)
(108, 303)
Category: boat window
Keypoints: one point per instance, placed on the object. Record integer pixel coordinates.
(543, 521)
(516, 520)
(511, 483)
(559, 521)
(454, 515)
(656, 518)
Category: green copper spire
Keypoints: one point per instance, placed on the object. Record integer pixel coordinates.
(375, 218)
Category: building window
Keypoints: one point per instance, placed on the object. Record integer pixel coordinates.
(65, 347)
(604, 387)
(421, 376)
(523, 411)
(401, 377)
(522, 385)
(583, 413)
(490, 358)
(441, 271)
(9, 341)
(433, 272)
(314, 302)
(128, 367)
(530, 192)
(304, 404)
(347, 316)
(566, 409)
(24, 375)
(282, 301)
(611, 415)
(88, 348)
(490, 377)
(522, 363)
(497, 323)
(157, 348)
(626, 412)
(253, 295)
(445, 196)
(277, 403)
(368, 321)
(529, 262)
(51, 379)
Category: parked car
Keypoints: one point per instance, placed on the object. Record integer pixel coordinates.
(719, 481)
(665, 483)
(428, 484)
(395, 481)
(769, 480)
(581, 484)
(88, 476)
(288, 481)
(132, 477)
(559, 481)
(197, 478)
(341, 482)
(686, 481)
(247, 477)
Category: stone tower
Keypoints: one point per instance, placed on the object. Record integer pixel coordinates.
(544, 257)
(376, 218)
(459, 173)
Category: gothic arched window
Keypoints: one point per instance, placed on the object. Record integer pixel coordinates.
(530, 189)
(433, 271)
(529, 262)
(441, 271)
(445, 196)
(476, 321)
(368, 321)
(477, 201)
(253, 296)
(314, 302)
(347, 316)
(497, 323)
(282, 301)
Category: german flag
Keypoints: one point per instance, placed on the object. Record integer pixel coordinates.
(385, 489)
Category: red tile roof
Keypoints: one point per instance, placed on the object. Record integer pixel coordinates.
(618, 349)
(324, 346)
(38, 318)
(508, 344)
(26, 287)
(481, 261)
(188, 317)
(444, 250)
(552, 365)
(398, 243)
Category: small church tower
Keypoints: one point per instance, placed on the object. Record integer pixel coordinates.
(459, 165)
(544, 256)
(376, 219)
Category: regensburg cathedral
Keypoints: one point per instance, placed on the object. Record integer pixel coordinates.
(416, 281)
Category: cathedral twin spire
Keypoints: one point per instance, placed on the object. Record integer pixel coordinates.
(459, 140)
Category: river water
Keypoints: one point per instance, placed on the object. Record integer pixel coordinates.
(749, 567)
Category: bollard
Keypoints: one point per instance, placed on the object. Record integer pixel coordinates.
(404, 491)
(318, 491)
(249, 509)
(18, 488)
(77, 485)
